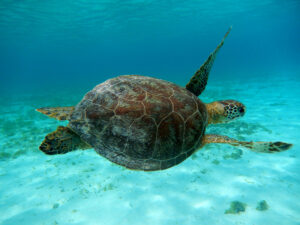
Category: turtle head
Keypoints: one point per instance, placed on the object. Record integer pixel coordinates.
(225, 111)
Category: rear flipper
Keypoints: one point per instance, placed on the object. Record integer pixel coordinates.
(61, 141)
(259, 146)
(59, 113)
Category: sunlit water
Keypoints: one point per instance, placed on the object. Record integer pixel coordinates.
(52, 53)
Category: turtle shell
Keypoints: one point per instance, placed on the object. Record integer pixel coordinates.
(141, 122)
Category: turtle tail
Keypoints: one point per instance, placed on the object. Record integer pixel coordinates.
(59, 113)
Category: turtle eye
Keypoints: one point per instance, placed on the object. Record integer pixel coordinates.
(241, 110)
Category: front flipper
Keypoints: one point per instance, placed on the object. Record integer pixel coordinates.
(198, 82)
(61, 141)
(259, 146)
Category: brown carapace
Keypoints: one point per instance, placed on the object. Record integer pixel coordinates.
(145, 123)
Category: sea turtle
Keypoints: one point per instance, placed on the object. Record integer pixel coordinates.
(144, 123)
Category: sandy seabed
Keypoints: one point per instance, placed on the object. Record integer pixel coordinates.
(83, 188)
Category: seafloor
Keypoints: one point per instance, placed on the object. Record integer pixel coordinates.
(83, 188)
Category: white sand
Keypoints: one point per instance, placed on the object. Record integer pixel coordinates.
(83, 188)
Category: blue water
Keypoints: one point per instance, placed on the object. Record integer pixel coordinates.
(53, 52)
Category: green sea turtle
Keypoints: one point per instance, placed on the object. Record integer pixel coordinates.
(145, 123)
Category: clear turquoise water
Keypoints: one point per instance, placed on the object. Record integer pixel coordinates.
(52, 53)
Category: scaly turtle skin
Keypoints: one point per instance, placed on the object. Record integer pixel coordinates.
(141, 122)
(144, 123)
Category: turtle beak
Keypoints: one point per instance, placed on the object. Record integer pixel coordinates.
(242, 109)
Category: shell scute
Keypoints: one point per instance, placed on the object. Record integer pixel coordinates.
(167, 163)
(153, 86)
(194, 128)
(151, 164)
(106, 99)
(157, 107)
(180, 90)
(202, 110)
(129, 110)
(180, 158)
(141, 141)
(90, 95)
(169, 137)
(128, 90)
(115, 135)
(183, 105)
(95, 112)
